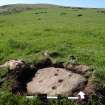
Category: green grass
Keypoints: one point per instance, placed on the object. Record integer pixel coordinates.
(7, 98)
(55, 28)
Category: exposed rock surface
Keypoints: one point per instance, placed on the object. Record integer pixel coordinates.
(80, 69)
(90, 88)
(13, 64)
(49, 78)
(53, 81)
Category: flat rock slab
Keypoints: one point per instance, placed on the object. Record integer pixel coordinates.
(54, 81)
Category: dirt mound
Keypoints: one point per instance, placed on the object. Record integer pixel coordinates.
(54, 81)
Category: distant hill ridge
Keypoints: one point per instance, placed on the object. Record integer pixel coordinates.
(14, 8)
(26, 5)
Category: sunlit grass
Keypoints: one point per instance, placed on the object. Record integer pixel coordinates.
(67, 31)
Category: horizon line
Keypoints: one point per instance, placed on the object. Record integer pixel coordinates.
(51, 4)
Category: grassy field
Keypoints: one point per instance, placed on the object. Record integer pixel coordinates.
(69, 31)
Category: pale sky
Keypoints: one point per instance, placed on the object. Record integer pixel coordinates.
(79, 3)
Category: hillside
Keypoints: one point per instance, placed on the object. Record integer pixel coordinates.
(70, 31)
(28, 30)
(16, 8)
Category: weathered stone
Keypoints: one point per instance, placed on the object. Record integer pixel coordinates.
(53, 81)
(90, 88)
(13, 64)
(80, 69)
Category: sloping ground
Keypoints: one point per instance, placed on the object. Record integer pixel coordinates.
(69, 31)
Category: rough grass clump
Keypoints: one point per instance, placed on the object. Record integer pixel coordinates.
(6, 98)
(14, 44)
(2, 56)
(3, 72)
(40, 12)
(63, 13)
(79, 15)
(47, 29)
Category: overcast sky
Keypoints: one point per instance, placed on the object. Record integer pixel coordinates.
(80, 3)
